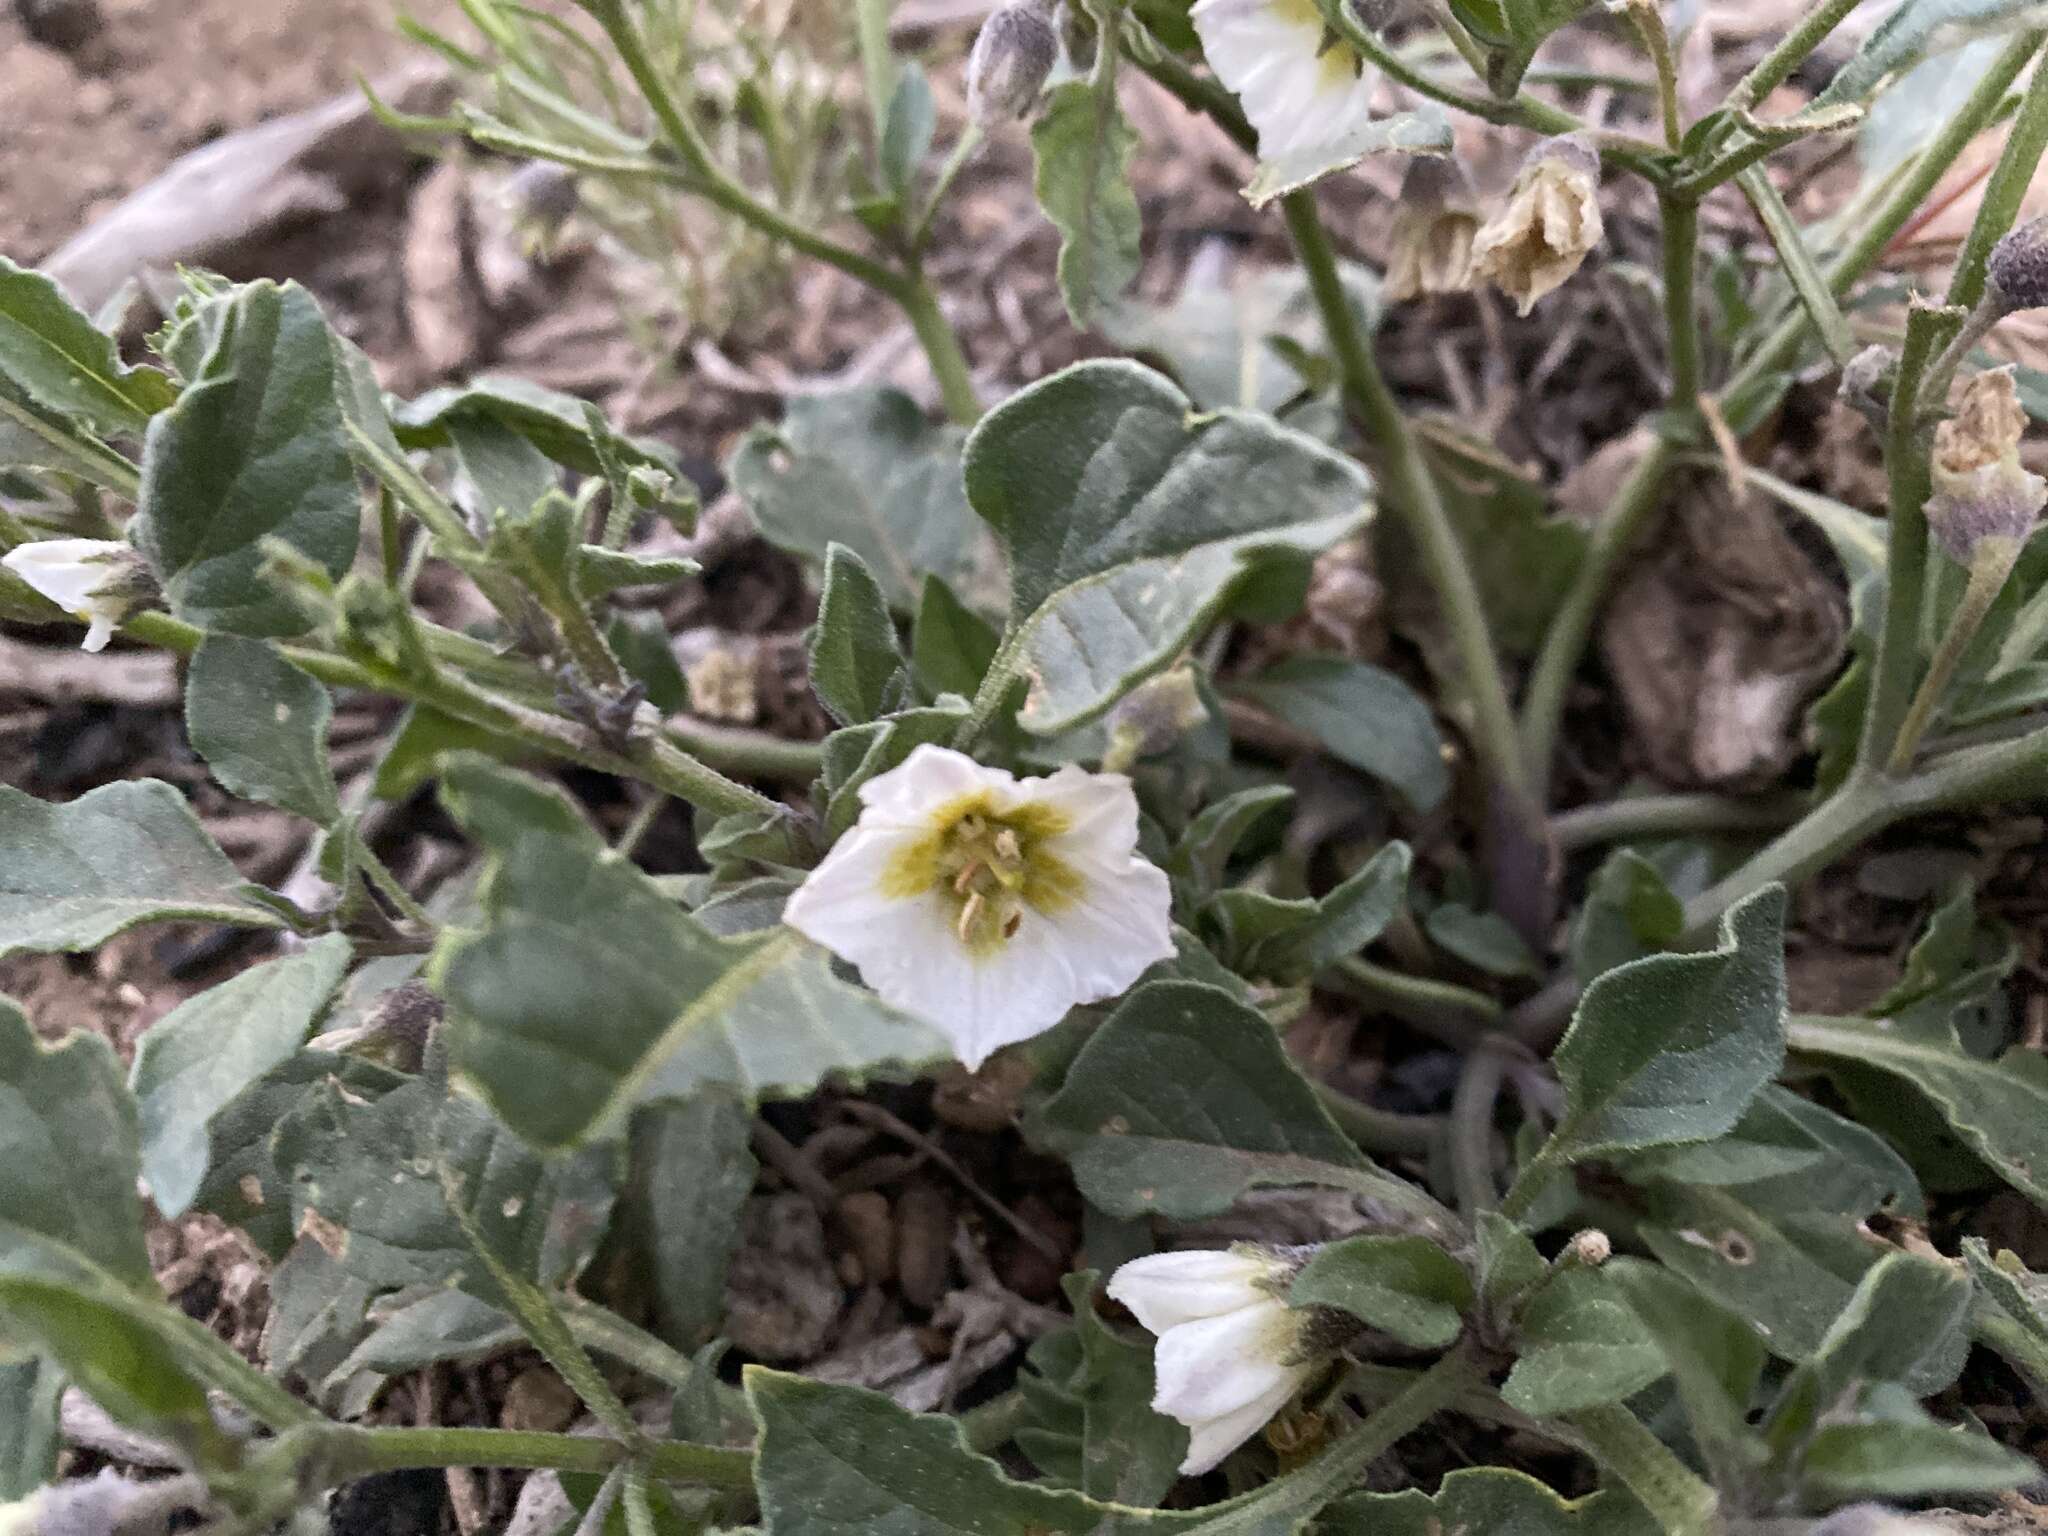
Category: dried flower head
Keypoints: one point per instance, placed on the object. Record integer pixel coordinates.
(1434, 230)
(1981, 491)
(1012, 57)
(1550, 223)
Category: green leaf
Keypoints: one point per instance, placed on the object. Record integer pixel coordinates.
(243, 1184)
(254, 449)
(1892, 1460)
(1083, 150)
(682, 1008)
(1484, 940)
(639, 638)
(2021, 1296)
(1514, 29)
(1129, 521)
(1130, 1454)
(1673, 1048)
(1581, 1345)
(907, 129)
(261, 725)
(74, 875)
(1184, 1099)
(950, 645)
(366, 1174)
(65, 363)
(1483, 1501)
(1630, 912)
(1510, 1266)
(601, 571)
(1997, 1105)
(555, 423)
(1716, 1360)
(1342, 922)
(68, 1138)
(1406, 1287)
(1211, 839)
(857, 754)
(1425, 131)
(29, 1438)
(863, 468)
(856, 664)
(75, 1280)
(1770, 1139)
(1365, 716)
(691, 1175)
(1917, 29)
(205, 1052)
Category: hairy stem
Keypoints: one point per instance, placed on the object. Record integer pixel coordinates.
(1676, 1498)
(1789, 53)
(1649, 816)
(1454, 1015)
(1989, 568)
(1472, 1108)
(1380, 1130)
(1412, 495)
(1906, 452)
(357, 1452)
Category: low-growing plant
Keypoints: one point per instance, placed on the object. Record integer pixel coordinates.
(1665, 1225)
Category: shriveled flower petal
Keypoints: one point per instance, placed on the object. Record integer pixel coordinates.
(1550, 224)
(90, 579)
(986, 904)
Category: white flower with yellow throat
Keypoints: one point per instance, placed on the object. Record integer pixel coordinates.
(1300, 88)
(986, 904)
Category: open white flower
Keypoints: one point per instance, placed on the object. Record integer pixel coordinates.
(1231, 1352)
(91, 579)
(987, 904)
(1299, 87)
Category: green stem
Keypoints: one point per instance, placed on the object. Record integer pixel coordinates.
(1648, 19)
(1855, 811)
(119, 474)
(1681, 224)
(1471, 1138)
(1520, 111)
(2004, 191)
(1380, 1130)
(942, 347)
(1790, 52)
(1564, 643)
(1651, 816)
(1907, 467)
(660, 763)
(1990, 566)
(1675, 1497)
(877, 63)
(1412, 495)
(381, 876)
(1457, 1016)
(1875, 230)
(356, 1452)
(909, 290)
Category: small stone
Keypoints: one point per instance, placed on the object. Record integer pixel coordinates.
(66, 25)
(538, 1399)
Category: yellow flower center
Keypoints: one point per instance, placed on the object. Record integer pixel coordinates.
(988, 865)
(1341, 63)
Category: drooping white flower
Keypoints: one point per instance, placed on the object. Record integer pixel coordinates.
(91, 579)
(1231, 1351)
(1300, 88)
(987, 904)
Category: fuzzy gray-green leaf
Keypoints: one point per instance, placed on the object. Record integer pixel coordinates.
(261, 725)
(1083, 148)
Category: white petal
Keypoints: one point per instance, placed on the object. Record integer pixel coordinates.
(1270, 54)
(1216, 1365)
(840, 904)
(98, 633)
(985, 1002)
(1213, 1439)
(926, 780)
(65, 570)
(1164, 1290)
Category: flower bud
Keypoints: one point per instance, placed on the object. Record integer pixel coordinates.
(1981, 491)
(100, 581)
(1231, 1352)
(1434, 227)
(1549, 225)
(540, 197)
(1592, 1247)
(2017, 271)
(1013, 54)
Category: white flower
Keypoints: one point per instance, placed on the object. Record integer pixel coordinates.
(1299, 87)
(91, 579)
(1230, 1350)
(986, 904)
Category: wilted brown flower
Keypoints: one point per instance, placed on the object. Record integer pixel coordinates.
(1434, 227)
(1550, 223)
(1981, 492)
